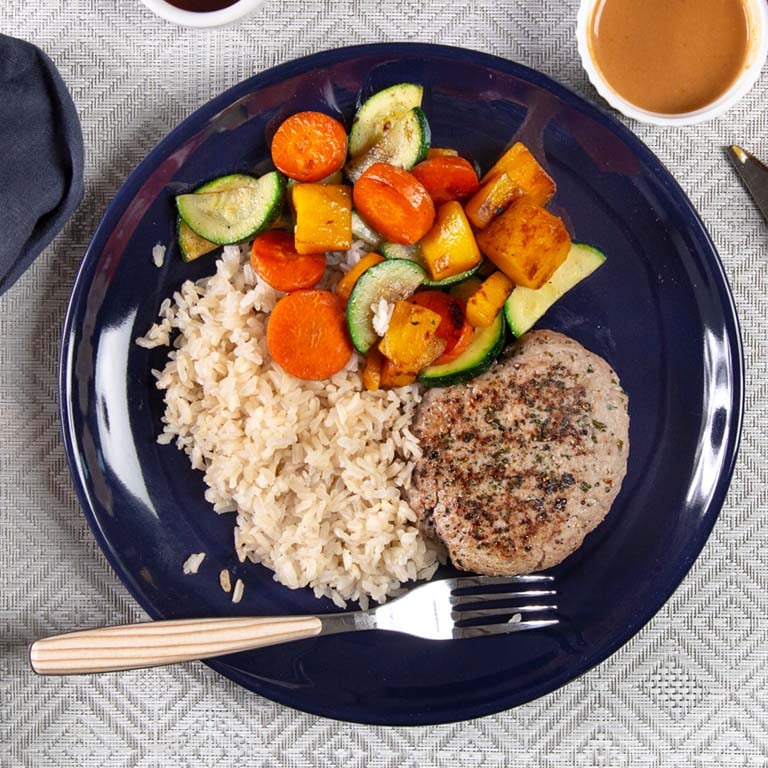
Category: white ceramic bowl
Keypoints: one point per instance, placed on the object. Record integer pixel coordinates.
(227, 15)
(756, 56)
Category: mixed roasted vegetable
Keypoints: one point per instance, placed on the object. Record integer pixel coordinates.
(452, 258)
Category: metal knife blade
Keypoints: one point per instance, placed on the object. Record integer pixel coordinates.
(754, 174)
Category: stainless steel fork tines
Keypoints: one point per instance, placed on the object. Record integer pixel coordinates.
(459, 608)
(446, 609)
(478, 611)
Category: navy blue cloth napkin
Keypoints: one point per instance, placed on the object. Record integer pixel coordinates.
(41, 156)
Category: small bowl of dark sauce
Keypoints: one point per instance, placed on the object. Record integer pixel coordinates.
(673, 62)
(202, 13)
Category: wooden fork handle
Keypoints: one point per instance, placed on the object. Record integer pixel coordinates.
(154, 643)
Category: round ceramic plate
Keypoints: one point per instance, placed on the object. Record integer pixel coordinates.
(660, 311)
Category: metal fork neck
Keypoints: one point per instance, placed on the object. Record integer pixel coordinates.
(333, 623)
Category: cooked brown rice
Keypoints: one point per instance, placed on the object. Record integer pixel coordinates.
(315, 471)
(192, 564)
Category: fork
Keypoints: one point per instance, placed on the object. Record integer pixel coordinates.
(447, 609)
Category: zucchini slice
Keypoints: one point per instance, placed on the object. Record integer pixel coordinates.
(191, 245)
(223, 183)
(485, 347)
(525, 306)
(389, 280)
(413, 253)
(398, 251)
(227, 214)
(363, 231)
(403, 145)
(383, 107)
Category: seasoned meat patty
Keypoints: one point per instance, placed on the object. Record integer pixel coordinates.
(521, 463)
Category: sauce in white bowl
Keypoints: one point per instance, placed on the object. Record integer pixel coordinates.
(673, 63)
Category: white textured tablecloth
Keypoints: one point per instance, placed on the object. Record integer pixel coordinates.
(689, 690)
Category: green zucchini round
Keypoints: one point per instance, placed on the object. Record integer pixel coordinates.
(380, 109)
(390, 280)
(485, 347)
(525, 306)
(233, 208)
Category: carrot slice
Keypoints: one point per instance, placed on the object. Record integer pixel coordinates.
(274, 258)
(447, 178)
(394, 203)
(453, 329)
(309, 146)
(307, 334)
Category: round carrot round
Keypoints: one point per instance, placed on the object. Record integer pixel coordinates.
(307, 334)
(395, 203)
(453, 327)
(309, 146)
(274, 258)
(447, 178)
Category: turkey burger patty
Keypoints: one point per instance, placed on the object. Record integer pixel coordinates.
(521, 463)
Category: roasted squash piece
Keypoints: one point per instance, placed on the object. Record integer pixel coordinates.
(486, 302)
(411, 341)
(525, 172)
(323, 217)
(410, 344)
(449, 248)
(526, 243)
(492, 199)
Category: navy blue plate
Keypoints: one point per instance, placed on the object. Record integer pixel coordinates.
(660, 311)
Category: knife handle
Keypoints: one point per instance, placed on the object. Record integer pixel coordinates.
(133, 646)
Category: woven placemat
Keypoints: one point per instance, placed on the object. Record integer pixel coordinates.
(687, 691)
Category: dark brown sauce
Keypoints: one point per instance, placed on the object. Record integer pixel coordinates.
(202, 6)
(670, 56)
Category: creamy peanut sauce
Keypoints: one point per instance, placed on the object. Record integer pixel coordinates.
(670, 56)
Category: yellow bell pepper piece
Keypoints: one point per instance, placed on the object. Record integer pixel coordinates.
(323, 217)
(526, 243)
(486, 302)
(449, 248)
(410, 342)
(525, 172)
(347, 283)
(492, 199)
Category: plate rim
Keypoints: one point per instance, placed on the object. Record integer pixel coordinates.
(696, 228)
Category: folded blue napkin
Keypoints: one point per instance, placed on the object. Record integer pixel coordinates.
(41, 156)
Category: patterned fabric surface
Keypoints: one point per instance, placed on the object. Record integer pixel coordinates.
(689, 690)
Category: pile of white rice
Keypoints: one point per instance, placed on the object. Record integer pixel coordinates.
(314, 470)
